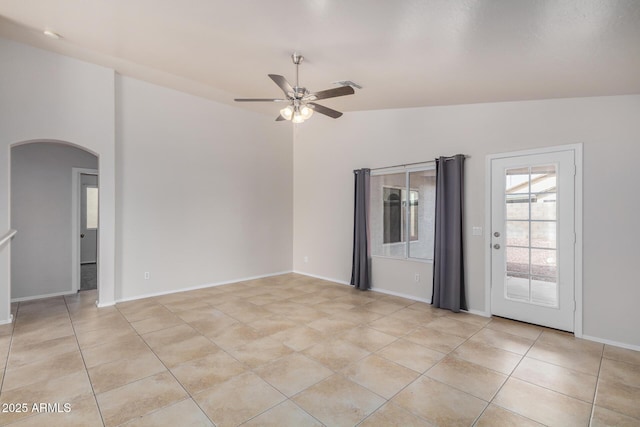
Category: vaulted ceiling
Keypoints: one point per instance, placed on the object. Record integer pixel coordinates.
(404, 53)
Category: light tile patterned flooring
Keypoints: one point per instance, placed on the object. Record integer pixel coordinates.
(296, 351)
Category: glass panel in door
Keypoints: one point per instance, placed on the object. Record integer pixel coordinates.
(531, 225)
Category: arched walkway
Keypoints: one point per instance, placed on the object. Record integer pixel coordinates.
(41, 203)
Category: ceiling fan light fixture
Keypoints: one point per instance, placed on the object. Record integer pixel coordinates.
(287, 112)
(297, 117)
(306, 112)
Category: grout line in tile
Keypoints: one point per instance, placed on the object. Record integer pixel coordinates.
(160, 360)
(140, 379)
(201, 391)
(365, 324)
(562, 366)
(555, 391)
(537, 385)
(93, 392)
(6, 361)
(508, 376)
(595, 391)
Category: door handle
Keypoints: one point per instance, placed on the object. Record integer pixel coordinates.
(82, 236)
(496, 246)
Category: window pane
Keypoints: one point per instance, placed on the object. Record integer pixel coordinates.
(413, 214)
(543, 179)
(517, 181)
(543, 234)
(517, 206)
(517, 286)
(543, 262)
(517, 260)
(399, 214)
(392, 214)
(544, 290)
(517, 233)
(544, 207)
(386, 215)
(422, 199)
(92, 208)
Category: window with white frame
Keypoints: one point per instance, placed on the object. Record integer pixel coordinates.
(91, 208)
(401, 213)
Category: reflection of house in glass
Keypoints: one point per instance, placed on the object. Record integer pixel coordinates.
(402, 210)
(394, 212)
(531, 251)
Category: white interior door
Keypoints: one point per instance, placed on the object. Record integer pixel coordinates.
(533, 238)
(88, 219)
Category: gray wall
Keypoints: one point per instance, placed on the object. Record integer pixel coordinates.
(204, 191)
(326, 152)
(48, 96)
(41, 213)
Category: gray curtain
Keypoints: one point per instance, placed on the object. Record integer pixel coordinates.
(448, 254)
(361, 267)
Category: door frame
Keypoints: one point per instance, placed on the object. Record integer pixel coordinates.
(577, 149)
(76, 188)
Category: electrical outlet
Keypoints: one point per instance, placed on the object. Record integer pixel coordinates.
(416, 278)
(146, 275)
(306, 259)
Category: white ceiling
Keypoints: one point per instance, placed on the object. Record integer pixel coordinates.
(404, 53)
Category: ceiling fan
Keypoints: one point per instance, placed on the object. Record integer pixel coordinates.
(301, 101)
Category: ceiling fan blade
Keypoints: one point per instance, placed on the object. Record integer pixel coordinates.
(280, 118)
(260, 100)
(324, 110)
(330, 93)
(283, 83)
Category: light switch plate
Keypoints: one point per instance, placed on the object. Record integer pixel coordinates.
(477, 231)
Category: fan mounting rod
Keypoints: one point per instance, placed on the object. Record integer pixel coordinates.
(297, 59)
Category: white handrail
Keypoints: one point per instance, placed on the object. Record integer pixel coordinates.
(7, 237)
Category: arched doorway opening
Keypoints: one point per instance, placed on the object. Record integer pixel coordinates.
(46, 210)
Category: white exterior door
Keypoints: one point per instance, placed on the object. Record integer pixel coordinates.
(533, 238)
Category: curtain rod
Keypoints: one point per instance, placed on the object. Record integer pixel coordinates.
(466, 156)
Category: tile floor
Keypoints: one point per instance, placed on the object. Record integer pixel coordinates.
(296, 351)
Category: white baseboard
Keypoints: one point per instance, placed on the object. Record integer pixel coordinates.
(611, 342)
(329, 279)
(57, 294)
(109, 304)
(194, 288)
(7, 321)
(478, 313)
(379, 290)
(387, 292)
(400, 294)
